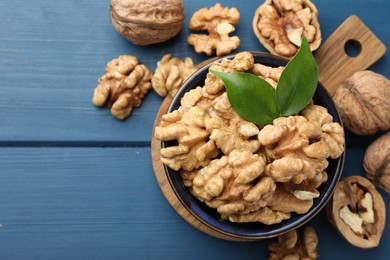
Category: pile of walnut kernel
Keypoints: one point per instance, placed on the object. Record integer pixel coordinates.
(248, 172)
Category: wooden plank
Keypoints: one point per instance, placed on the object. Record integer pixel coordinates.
(92, 204)
(51, 54)
(88, 203)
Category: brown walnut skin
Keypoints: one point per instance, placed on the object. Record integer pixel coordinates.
(377, 162)
(343, 196)
(145, 22)
(363, 101)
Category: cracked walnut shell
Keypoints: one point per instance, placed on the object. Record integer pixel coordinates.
(219, 22)
(363, 101)
(123, 86)
(146, 22)
(377, 162)
(280, 25)
(358, 212)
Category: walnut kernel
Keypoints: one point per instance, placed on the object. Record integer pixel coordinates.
(291, 245)
(171, 72)
(219, 22)
(194, 149)
(123, 86)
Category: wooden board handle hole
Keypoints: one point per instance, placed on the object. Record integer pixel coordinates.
(352, 48)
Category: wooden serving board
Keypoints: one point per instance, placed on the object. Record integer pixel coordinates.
(334, 65)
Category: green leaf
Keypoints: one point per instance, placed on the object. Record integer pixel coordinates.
(298, 81)
(255, 100)
(251, 97)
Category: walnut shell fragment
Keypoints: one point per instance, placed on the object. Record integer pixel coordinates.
(123, 87)
(377, 162)
(146, 22)
(280, 25)
(219, 22)
(363, 101)
(171, 72)
(358, 212)
(292, 245)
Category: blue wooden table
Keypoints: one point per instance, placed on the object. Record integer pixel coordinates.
(76, 183)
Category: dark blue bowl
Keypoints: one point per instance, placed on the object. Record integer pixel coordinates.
(253, 231)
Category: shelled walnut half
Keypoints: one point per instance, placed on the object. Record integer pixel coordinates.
(171, 72)
(358, 212)
(219, 22)
(280, 24)
(123, 87)
(292, 245)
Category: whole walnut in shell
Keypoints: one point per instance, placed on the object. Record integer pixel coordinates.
(363, 101)
(146, 22)
(377, 162)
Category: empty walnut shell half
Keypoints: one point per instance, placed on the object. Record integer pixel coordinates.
(377, 162)
(358, 212)
(363, 101)
(146, 22)
(280, 25)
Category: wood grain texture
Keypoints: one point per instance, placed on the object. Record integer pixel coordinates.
(90, 203)
(335, 65)
(52, 53)
(78, 184)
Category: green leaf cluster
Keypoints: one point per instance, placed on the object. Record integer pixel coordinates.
(255, 100)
